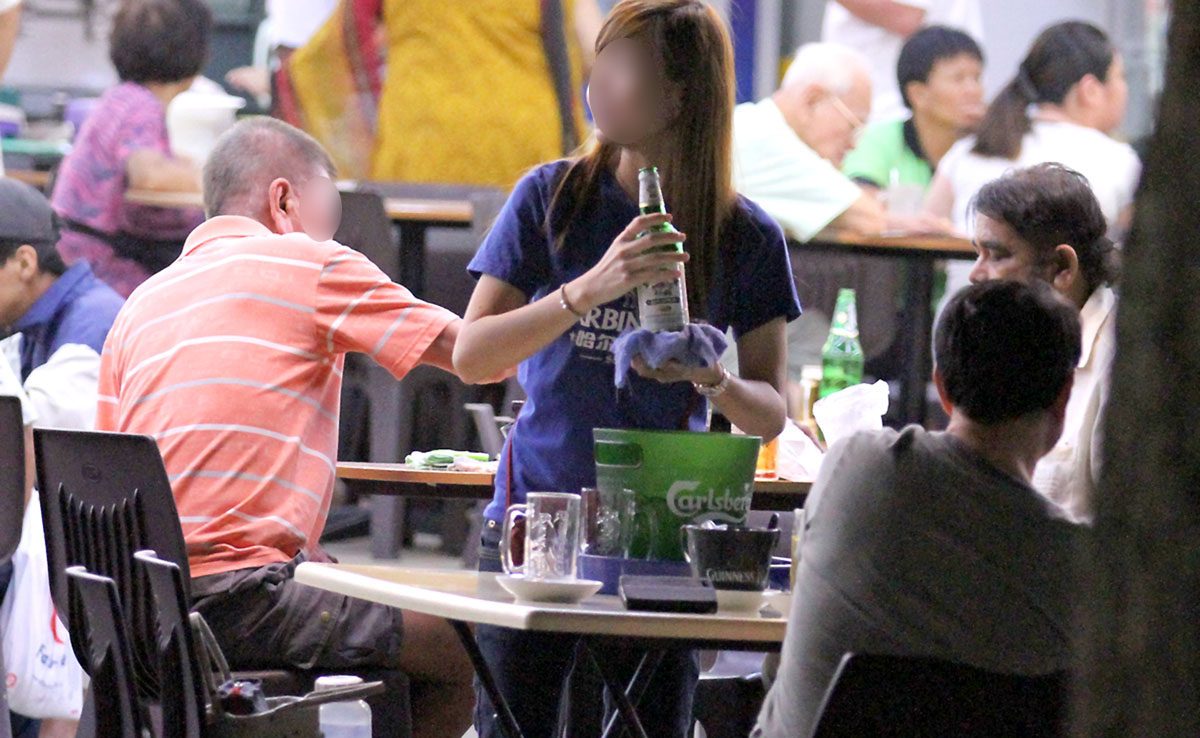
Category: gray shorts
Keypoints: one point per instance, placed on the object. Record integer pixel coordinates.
(264, 619)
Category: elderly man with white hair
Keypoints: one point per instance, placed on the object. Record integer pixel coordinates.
(789, 147)
(788, 151)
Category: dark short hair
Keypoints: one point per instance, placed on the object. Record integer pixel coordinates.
(1006, 349)
(252, 154)
(160, 40)
(1050, 204)
(49, 260)
(926, 48)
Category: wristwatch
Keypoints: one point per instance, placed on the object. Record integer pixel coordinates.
(714, 390)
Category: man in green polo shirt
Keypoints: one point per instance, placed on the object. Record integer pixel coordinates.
(939, 74)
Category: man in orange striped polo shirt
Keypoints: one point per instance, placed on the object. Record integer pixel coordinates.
(231, 358)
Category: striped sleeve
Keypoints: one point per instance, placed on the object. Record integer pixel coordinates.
(108, 388)
(360, 310)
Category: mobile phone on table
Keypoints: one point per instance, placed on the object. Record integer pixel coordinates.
(668, 594)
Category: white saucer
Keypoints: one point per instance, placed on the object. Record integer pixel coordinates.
(543, 590)
(740, 601)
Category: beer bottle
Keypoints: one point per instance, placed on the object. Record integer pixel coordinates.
(662, 306)
(842, 355)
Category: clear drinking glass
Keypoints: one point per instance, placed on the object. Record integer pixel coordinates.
(552, 536)
(608, 521)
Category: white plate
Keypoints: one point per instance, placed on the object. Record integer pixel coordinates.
(543, 590)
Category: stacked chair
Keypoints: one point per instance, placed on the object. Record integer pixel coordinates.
(155, 667)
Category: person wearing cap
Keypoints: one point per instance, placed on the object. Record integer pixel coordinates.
(58, 318)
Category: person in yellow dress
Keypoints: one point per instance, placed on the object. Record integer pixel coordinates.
(473, 93)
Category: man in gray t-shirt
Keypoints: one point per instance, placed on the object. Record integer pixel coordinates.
(935, 544)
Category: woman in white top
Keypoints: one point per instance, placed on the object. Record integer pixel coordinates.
(1068, 95)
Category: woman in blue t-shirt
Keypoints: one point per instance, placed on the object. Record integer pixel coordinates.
(556, 275)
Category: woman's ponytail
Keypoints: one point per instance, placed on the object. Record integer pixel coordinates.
(1062, 55)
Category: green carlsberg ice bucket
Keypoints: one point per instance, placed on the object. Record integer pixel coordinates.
(677, 478)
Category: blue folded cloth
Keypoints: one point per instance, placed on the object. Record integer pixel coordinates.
(698, 344)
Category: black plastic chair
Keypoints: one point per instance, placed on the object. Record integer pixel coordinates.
(12, 507)
(873, 695)
(187, 651)
(103, 497)
(365, 228)
(182, 697)
(96, 610)
(104, 470)
(12, 475)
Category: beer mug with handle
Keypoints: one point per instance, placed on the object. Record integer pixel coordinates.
(552, 536)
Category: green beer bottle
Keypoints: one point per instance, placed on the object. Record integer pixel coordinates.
(662, 306)
(842, 356)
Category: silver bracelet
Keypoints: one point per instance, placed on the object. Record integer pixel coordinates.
(566, 304)
(714, 390)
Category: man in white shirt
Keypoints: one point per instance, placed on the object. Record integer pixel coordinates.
(880, 27)
(935, 544)
(59, 318)
(1044, 224)
(787, 156)
(788, 151)
(788, 148)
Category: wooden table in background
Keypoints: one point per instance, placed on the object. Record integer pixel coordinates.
(431, 213)
(405, 481)
(32, 177)
(411, 215)
(916, 325)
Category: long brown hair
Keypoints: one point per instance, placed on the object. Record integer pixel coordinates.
(694, 52)
(1062, 55)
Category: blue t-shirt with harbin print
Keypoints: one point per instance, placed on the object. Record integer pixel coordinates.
(569, 383)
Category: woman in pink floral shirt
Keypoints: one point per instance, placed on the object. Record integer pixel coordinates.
(158, 47)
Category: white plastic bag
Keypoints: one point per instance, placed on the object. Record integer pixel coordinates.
(799, 456)
(860, 407)
(44, 679)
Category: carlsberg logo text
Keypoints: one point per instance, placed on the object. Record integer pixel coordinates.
(686, 501)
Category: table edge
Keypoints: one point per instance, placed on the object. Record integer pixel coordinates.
(545, 619)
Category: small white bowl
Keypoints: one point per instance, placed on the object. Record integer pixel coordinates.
(568, 592)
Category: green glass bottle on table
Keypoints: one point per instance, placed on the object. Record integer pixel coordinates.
(842, 356)
(662, 306)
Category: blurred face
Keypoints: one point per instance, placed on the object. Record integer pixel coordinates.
(831, 123)
(1002, 254)
(319, 209)
(953, 94)
(630, 99)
